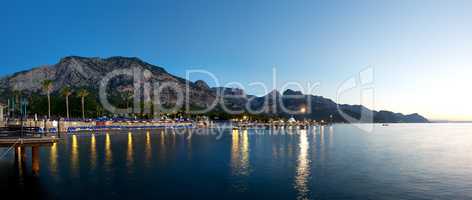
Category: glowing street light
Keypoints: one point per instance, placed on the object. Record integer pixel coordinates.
(303, 110)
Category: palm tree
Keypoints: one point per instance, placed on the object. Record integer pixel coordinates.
(16, 101)
(47, 88)
(127, 96)
(66, 92)
(82, 94)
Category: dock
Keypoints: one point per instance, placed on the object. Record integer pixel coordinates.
(20, 140)
(28, 141)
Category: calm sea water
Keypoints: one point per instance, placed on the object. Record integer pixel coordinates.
(414, 161)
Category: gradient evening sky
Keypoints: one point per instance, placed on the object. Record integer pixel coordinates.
(421, 51)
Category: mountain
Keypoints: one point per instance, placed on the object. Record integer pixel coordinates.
(327, 110)
(83, 72)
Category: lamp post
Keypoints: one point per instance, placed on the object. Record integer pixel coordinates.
(303, 111)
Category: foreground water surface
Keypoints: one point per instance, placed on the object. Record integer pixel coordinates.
(400, 161)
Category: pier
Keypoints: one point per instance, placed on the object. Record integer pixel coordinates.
(20, 138)
(31, 141)
(21, 145)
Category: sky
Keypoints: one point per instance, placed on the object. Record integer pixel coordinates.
(419, 52)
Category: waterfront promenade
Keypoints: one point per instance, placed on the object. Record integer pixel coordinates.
(72, 126)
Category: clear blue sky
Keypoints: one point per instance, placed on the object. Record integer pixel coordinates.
(421, 50)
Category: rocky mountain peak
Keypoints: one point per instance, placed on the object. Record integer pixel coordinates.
(292, 92)
(202, 85)
(274, 93)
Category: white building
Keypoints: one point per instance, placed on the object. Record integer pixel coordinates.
(291, 120)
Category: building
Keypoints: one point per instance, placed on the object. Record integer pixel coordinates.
(2, 114)
(292, 120)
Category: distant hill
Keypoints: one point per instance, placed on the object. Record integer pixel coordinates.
(83, 72)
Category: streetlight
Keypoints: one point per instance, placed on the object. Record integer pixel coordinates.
(303, 110)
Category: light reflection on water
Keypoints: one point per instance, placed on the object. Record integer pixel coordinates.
(235, 157)
(322, 144)
(93, 151)
(74, 157)
(108, 152)
(245, 154)
(240, 167)
(303, 167)
(189, 146)
(162, 145)
(53, 159)
(148, 149)
(129, 157)
(399, 161)
(240, 153)
(19, 162)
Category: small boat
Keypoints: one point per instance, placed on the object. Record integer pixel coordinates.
(384, 124)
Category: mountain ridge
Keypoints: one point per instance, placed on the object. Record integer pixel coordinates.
(87, 72)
